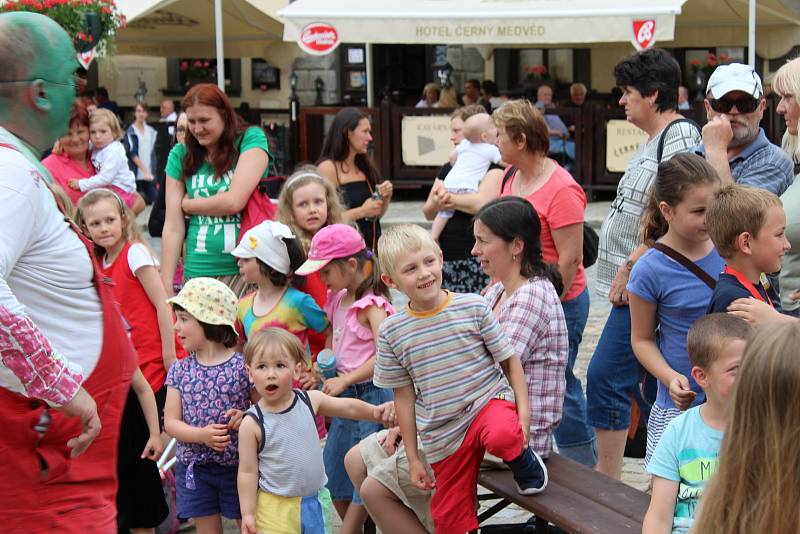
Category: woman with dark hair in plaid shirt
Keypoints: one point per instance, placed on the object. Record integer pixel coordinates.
(524, 299)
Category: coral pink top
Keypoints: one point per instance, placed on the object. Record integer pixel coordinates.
(559, 202)
(63, 169)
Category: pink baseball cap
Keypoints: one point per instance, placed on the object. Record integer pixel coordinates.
(332, 242)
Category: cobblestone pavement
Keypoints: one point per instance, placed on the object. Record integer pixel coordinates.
(633, 473)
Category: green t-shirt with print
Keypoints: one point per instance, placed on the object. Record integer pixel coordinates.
(210, 239)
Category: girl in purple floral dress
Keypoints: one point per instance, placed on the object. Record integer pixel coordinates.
(207, 394)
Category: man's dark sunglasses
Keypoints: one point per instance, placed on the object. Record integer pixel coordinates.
(743, 105)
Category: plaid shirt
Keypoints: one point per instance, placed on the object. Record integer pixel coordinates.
(533, 320)
(761, 164)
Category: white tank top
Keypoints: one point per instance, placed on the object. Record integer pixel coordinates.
(290, 456)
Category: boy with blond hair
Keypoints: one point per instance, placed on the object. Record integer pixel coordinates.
(748, 228)
(440, 357)
(686, 456)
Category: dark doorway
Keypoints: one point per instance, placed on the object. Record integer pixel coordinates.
(401, 71)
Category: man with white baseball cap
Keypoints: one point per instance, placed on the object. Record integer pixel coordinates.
(733, 142)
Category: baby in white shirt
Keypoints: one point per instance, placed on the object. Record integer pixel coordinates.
(473, 155)
(108, 158)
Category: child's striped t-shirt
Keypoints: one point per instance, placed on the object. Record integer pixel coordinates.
(450, 356)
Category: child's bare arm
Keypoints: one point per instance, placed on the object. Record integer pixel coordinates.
(757, 312)
(214, 435)
(658, 519)
(345, 408)
(247, 478)
(516, 378)
(147, 400)
(404, 402)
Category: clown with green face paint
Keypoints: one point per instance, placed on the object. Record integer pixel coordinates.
(64, 349)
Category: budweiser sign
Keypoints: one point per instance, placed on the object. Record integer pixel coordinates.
(644, 34)
(319, 38)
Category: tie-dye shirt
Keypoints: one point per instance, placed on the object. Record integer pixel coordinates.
(296, 312)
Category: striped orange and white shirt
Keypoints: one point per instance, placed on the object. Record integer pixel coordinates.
(450, 356)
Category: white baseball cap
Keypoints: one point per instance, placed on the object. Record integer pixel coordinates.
(734, 77)
(265, 242)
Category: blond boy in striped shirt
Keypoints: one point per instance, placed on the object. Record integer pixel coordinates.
(440, 357)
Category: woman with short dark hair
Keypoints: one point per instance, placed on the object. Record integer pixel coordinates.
(649, 81)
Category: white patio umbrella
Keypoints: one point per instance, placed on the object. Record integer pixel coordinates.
(174, 28)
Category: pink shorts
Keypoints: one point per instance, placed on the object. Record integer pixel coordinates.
(496, 429)
(128, 198)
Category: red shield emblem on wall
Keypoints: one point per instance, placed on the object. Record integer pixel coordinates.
(319, 38)
(644, 33)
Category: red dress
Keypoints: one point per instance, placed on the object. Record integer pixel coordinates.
(141, 317)
(316, 288)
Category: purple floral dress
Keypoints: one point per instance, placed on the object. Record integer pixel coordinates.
(207, 392)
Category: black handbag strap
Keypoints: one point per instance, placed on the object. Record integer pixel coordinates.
(686, 262)
(662, 139)
(507, 176)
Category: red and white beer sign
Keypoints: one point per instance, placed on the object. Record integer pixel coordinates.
(85, 58)
(644, 33)
(319, 38)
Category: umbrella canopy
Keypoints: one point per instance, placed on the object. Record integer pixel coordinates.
(705, 23)
(475, 22)
(185, 28)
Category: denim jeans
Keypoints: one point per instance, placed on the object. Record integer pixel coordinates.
(574, 437)
(344, 434)
(613, 375)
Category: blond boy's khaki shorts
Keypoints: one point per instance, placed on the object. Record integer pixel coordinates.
(392, 471)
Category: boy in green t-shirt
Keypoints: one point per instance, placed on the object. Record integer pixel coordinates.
(686, 456)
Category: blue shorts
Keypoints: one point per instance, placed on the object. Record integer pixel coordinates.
(215, 491)
(344, 434)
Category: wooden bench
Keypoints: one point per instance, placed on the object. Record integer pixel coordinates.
(577, 499)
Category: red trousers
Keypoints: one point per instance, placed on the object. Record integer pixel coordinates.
(496, 429)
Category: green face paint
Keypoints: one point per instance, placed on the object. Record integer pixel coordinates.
(57, 69)
(53, 65)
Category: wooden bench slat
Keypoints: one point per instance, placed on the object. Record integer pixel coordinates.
(563, 507)
(613, 494)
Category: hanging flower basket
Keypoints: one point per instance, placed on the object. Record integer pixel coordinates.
(90, 23)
